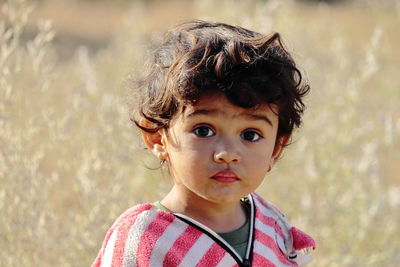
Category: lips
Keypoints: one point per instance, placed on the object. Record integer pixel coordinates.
(225, 176)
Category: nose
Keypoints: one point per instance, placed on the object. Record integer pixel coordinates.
(226, 153)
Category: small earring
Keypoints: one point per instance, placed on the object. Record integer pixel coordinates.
(162, 155)
(271, 163)
(160, 152)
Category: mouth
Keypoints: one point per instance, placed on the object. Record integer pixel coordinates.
(225, 176)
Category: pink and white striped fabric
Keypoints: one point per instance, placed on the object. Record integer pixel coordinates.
(146, 236)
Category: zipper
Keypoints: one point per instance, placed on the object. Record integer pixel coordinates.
(250, 241)
(243, 262)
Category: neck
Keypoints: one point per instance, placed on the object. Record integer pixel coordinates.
(220, 217)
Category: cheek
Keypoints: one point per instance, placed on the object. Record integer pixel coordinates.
(188, 160)
(259, 159)
(192, 148)
(262, 152)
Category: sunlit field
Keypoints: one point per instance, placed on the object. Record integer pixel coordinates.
(71, 161)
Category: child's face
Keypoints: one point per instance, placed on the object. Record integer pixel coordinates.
(220, 152)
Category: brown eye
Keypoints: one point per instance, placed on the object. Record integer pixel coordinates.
(251, 136)
(203, 131)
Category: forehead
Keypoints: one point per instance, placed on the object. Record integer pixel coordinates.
(219, 105)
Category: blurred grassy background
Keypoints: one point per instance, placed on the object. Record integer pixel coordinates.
(71, 162)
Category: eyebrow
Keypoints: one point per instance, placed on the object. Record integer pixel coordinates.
(202, 112)
(256, 117)
(250, 116)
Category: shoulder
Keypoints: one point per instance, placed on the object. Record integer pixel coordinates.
(130, 216)
(259, 201)
(290, 240)
(125, 233)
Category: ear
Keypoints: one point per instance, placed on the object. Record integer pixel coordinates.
(154, 141)
(280, 144)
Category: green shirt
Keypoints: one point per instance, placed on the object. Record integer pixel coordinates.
(237, 238)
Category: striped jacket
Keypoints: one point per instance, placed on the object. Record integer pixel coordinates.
(146, 236)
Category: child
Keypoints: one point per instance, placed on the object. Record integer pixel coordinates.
(217, 105)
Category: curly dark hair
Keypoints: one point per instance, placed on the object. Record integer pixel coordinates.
(200, 57)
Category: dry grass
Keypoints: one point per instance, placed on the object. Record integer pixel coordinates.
(70, 162)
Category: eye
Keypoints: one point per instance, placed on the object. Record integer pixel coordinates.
(203, 131)
(251, 136)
